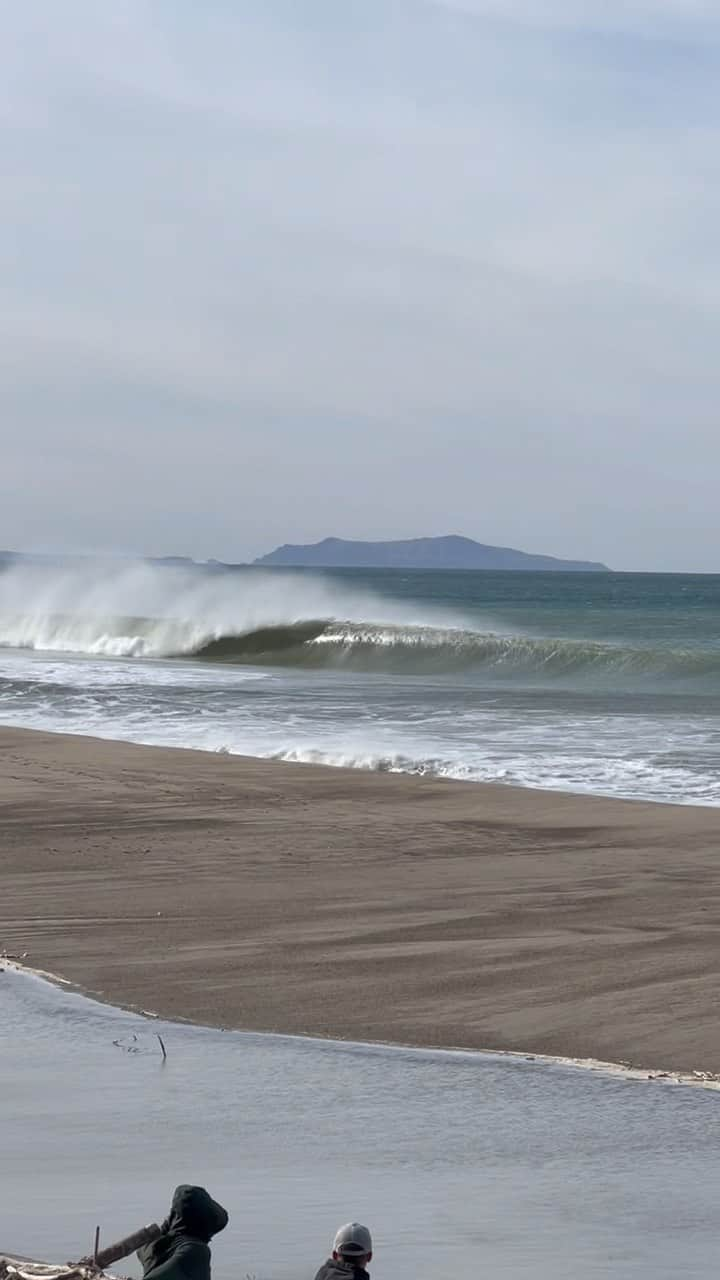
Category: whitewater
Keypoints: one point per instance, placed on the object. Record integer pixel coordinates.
(604, 683)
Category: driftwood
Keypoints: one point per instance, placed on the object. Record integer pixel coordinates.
(122, 1248)
(26, 1269)
(14, 1268)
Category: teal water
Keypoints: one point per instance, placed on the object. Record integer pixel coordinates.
(665, 610)
(606, 683)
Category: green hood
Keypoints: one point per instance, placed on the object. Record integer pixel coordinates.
(195, 1213)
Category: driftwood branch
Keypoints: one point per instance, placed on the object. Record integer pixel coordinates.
(122, 1248)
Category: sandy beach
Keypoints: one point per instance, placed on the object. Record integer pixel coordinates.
(269, 896)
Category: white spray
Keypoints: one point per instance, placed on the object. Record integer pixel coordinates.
(144, 610)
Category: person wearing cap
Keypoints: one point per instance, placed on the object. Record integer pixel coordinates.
(351, 1252)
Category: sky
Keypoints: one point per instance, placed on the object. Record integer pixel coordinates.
(274, 270)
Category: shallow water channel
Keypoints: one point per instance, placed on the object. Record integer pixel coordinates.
(462, 1164)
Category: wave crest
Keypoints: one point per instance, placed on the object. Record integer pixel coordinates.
(362, 647)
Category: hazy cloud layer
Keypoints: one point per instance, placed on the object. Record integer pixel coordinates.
(279, 268)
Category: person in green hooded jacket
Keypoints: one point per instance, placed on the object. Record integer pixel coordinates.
(182, 1250)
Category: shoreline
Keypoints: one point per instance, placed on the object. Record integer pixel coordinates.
(709, 1081)
(357, 770)
(307, 900)
(688, 803)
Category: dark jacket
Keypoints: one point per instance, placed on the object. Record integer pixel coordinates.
(181, 1252)
(338, 1270)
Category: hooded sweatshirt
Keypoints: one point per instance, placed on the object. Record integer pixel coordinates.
(181, 1252)
(338, 1269)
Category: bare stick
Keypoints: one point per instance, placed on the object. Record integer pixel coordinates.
(97, 1245)
(162, 1046)
(113, 1252)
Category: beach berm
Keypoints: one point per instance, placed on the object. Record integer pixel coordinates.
(297, 898)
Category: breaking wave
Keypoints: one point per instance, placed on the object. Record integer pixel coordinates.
(430, 650)
(273, 620)
(363, 647)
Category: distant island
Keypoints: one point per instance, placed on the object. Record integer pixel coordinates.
(450, 552)
(63, 559)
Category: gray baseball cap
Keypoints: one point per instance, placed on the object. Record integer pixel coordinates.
(352, 1238)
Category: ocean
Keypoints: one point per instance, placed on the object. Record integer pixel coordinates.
(596, 683)
(461, 1164)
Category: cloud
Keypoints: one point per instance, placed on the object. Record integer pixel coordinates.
(651, 19)
(337, 253)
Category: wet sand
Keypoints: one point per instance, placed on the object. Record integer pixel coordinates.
(269, 896)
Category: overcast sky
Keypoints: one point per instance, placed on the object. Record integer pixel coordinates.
(277, 269)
